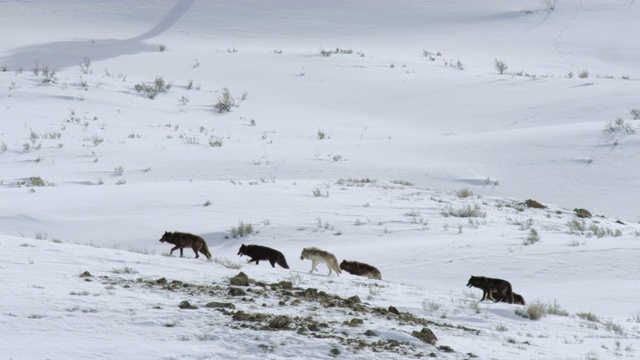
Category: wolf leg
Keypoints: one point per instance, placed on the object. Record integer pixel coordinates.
(174, 249)
(195, 250)
(272, 262)
(313, 266)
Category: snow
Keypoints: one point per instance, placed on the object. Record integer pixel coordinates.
(403, 135)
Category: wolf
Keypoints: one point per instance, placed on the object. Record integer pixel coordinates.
(494, 289)
(517, 299)
(182, 240)
(360, 269)
(320, 256)
(257, 253)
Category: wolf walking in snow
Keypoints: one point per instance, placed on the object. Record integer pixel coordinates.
(320, 256)
(494, 289)
(182, 240)
(257, 253)
(360, 269)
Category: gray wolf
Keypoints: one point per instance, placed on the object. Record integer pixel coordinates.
(360, 269)
(320, 256)
(182, 240)
(494, 289)
(257, 253)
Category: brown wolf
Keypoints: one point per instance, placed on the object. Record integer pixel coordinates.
(182, 240)
(360, 269)
(517, 299)
(257, 253)
(494, 289)
(320, 256)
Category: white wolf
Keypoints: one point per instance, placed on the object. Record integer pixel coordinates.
(320, 256)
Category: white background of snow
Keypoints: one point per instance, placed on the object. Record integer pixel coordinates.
(424, 122)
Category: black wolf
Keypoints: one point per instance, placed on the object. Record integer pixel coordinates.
(494, 289)
(257, 253)
(360, 269)
(182, 240)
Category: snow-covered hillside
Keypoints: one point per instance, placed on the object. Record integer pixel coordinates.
(381, 132)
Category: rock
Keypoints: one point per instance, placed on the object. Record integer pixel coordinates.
(280, 322)
(237, 292)
(425, 335)
(85, 274)
(240, 280)
(186, 305)
(393, 310)
(582, 213)
(217, 305)
(534, 204)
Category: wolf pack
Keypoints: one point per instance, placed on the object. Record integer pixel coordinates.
(497, 290)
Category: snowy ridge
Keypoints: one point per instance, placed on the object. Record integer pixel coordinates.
(383, 133)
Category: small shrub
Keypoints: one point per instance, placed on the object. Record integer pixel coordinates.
(532, 238)
(458, 65)
(125, 270)
(242, 230)
(555, 309)
(321, 135)
(577, 226)
(318, 193)
(583, 74)
(159, 86)
(225, 101)
(85, 65)
(161, 47)
(79, 293)
(215, 141)
(616, 328)
(36, 181)
(635, 114)
(588, 316)
(401, 182)
(467, 211)
(533, 311)
(619, 126)
(464, 193)
(48, 76)
(226, 263)
(550, 5)
(96, 139)
(500, 66)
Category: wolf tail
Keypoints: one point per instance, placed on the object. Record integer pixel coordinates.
(205, 250)
(282, 262)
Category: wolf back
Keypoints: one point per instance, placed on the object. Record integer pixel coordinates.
(494, 289)
(360, 269)
(258, 252)
(320, 256)
(182, 240)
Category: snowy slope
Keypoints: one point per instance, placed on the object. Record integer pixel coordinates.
(355, 125)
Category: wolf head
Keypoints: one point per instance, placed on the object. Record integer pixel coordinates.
(166, 237)
(473, 281)
(305, 253)
(242, 250)
(342, 265)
